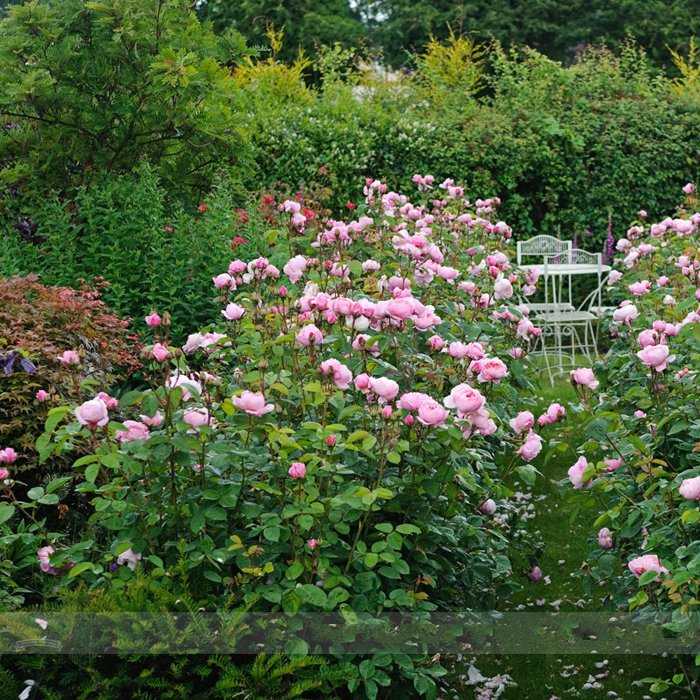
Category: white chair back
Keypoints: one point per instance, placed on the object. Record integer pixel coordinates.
(541, 246)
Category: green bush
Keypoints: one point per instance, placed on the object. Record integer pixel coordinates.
(92, 87)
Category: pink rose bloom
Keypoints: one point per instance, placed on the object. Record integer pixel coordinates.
(552, 414)
(370, 266)
(640, 414)
(342, 376)
(640, 288)
(69, 357)
(385, 389)
(502, 289)
(387, 412)
(297, 470)
(690, 489)
(475, 351)
(224, 281)
(309, 335)
(576, 472)
(612, 464)
(488, 507)
(662, 281)
(4, 473)
(435, 342)
(465, 399)
(457, 350)
(183, 381)
(253, 403)
(625, 314)
(400, 309)
(412, 400)
(152, 421)
(8, 456)
(363, 382)
(134, 431)
(492, 370)
(312, 544)
(41, 395)
(656, 356)
(93, 414)
(431, 413)
(153, 319)
(481, 423)
(196, 417)
(584, 377)
(295, 268)
(160, 352)
(647, 337)
(531, 447)
(237, 267)
(363, 342)
(689, 188)
(233, 312)
(44, 555)
(614, 277)
(523, 421)
(605, 538)
(647, 562)
(535, 574)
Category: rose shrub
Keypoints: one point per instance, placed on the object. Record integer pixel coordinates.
(642, 453)
(337, 440)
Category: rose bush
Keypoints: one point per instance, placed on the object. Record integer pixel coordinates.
(336, 441)
(642, 415)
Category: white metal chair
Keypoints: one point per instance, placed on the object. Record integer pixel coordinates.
(541, 247)
(570, 326)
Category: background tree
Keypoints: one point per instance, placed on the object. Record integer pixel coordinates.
(90, 87)
(307, 23)
(557, 28)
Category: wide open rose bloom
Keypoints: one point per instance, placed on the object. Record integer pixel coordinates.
(412, 400)
(92, 414)
(134, 431)
(253, 403)
(656, 356)
(647, 562)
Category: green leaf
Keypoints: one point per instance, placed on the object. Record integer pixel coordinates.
(91, 473)
(294, 571)
(6, 512)
(80, 568)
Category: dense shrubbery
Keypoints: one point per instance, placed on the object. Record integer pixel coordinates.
(563, 147)
(322, 447)
(40, 324)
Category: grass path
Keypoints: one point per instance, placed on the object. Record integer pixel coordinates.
(565, 534)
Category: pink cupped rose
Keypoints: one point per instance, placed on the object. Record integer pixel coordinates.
(431, 413)
(309, 335)
(8, 456)
(253, 403)
(342, 376)
(576, 472)
(93, 414)
(690, 488)
(531, 447)
(69, 357)
(584, 377)
(385, 389)
(491, 370)
(647, 562)
(465, 399)
(524, 420)
(134, 431)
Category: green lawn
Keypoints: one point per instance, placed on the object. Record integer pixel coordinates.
(566, 536)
